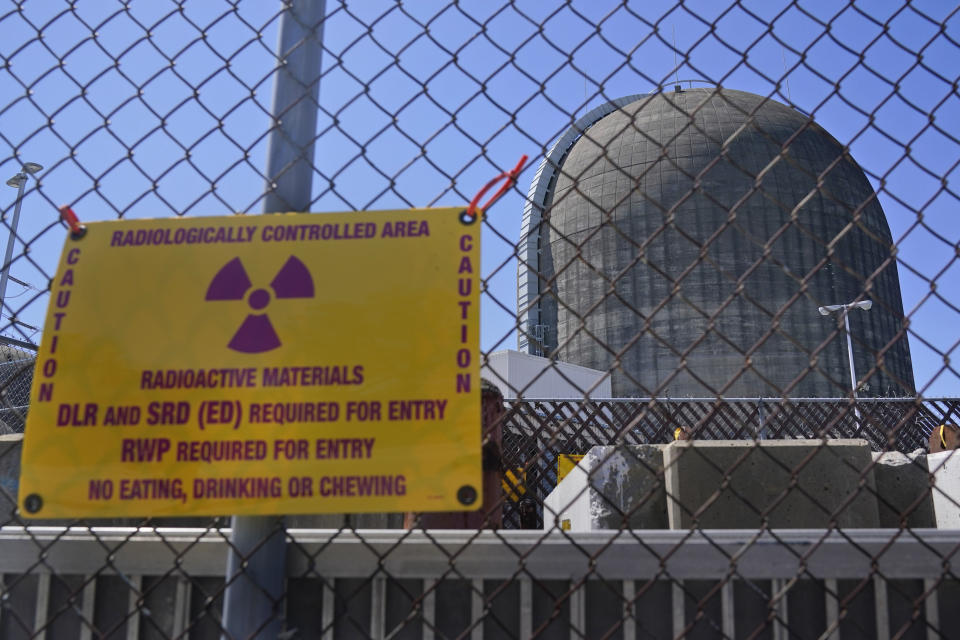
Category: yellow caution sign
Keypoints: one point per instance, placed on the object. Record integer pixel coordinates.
(296, 363)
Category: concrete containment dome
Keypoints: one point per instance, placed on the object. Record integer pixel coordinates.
(685, 240)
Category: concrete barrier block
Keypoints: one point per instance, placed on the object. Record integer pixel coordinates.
(613, 487)
(903, 487)
(742, 484)
(568, 505)
(945, 469)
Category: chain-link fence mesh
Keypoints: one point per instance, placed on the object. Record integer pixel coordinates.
(720, 303)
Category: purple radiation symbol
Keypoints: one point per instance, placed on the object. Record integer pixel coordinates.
(259, 299)
(256, 333)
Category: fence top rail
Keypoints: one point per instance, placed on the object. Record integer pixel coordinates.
(612, 555)
(18, 361)
(754, 399)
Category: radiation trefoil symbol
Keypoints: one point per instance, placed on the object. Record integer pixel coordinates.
(256, 334)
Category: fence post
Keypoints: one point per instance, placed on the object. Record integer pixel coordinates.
(256, 561)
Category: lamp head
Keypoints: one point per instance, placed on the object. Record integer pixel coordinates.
(866, 305)
(16, 180)
(31, 167)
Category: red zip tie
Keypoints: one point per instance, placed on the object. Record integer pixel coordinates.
(76, 229)
(470, 215)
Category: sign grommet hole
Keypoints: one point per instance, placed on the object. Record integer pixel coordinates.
(33, 503)
(467, 495)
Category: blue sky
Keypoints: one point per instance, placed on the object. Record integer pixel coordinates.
(162, 109)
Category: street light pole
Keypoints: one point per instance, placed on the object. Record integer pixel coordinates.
(19, 181)
(845, 309)
(853, 370)
(256, 561)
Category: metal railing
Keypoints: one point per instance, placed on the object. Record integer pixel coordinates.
(383, 584)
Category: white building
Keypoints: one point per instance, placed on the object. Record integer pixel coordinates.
(527, 376)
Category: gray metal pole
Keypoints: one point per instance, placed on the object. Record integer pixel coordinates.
(295, 93)
(256, 562)
(11, 240)
(853, 372)
(761, 430)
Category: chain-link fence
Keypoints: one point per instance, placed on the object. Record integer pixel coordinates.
(720, 303)
(16, 375)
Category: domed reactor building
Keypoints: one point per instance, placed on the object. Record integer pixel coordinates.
(684, 240)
